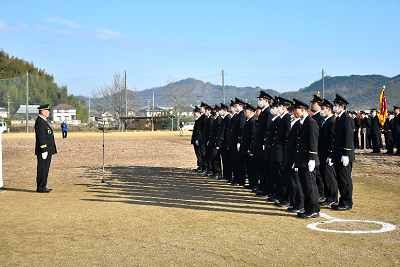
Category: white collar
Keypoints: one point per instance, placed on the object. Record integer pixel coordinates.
(250, 118)
(328, 117)
(283, 114)
(302, 120)
(274, 118)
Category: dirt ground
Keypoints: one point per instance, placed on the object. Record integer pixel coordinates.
(160, 213)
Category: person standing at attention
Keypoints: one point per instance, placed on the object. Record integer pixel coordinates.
(44, 149)
(64, 129)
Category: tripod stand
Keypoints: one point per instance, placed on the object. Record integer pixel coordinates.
(103, 180)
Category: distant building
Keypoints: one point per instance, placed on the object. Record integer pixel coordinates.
(64, 112)
(3, 113)
(158, 111)
(33, 111)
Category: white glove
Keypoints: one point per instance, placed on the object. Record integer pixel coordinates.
(329, 161)
(311, 165)
(238, 146)
(263, 147)
(44, 155)
(345, 160)
(217, 147)
(293, 166)
(197, 142)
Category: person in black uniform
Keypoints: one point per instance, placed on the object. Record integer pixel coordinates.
(236, 132)
(375, 132)
(388, 133)
(325, 146)
(263, 123)
(316, 109)
(195, 136)
(221, 142)
(198, 142)
(206, 136)
(343, 153)
(356, 130)
(246, 146)
(44, 149)
(277, 149)
(213, 144)
(230, 143)
(306, 158)
(396, 129)
(365, 125)
(296, 196)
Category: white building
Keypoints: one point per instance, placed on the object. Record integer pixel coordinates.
(33, 111)
(64, 112)
(3, 113)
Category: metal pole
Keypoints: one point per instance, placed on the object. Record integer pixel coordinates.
(27, 83)
(323, 85)
(89, 112)
(223, 87)
(152, 116)
(126, 98)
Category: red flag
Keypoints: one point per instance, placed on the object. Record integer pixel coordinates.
(383, 113)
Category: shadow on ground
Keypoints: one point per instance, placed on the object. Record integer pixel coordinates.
(177, 188)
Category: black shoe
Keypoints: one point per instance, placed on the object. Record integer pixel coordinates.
(282, 204)
(249, 187)
(340, 207)
(321, 199)
(43, 191)
(261, 193)
(307, 215)
(294, 210)
(233, 183)
(273, 199)
(327, 203)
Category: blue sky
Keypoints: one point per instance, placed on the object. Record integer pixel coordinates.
(281, 45)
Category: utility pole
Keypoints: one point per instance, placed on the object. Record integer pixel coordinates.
(323, 85)
(8, 106)
(27, 97)
(89, 112)
(126, 98)
(223, 87)
(152, 116)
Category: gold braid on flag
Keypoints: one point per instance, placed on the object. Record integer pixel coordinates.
(383, 111)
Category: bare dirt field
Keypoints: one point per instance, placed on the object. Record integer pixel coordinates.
(160, 213)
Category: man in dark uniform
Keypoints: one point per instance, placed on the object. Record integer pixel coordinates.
(343, 153)
(229, 140)
(365, 125)
(213, 144)
(296, 196)
(306, 158)
(356, 130)
(236, 132)
(246, 146)
(221, 142)
(325, 146)
(195, 136)
(396, 128)
(263, 123)
(202, 149)
(44, 149)
(206, 135)
(388, 133)
(375, 132)
(316, 109)
(277, 149)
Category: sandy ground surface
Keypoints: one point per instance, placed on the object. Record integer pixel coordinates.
(159, 213)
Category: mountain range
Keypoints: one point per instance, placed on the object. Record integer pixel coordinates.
(362, 91)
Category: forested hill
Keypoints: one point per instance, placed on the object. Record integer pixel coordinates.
(362, 92)
(42, 88)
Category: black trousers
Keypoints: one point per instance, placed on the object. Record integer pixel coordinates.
(209, 159)
(296, 196)
(366, 140)
(197, 151)
(376, 145)
(345, 183)
(356, 141)
(204, 163)
(389, 142)
(310, 190)
(267, 182)
(43, 166)
(330, 184)
(251, 170)
(320, 183)
(215, 161)
(64, 134)
(396, 139)
(239, 167)
(226, 164)
(281, 181)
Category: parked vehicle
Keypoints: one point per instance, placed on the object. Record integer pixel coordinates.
(3, 127)
(188, 126)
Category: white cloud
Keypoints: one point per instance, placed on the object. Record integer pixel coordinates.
(3, 28)
(107, 34)
(63, 21)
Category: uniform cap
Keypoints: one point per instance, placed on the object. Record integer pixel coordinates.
(283, 101)
(340, 100)
(223, 106)
(44, 107)
(249, 106)
(326, 103)
(316, 99)
(264, 95)
(299, 104)
(239, 101)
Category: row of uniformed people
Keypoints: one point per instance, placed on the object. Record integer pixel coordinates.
(280, 152)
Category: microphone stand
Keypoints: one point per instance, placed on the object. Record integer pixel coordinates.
(104, 179)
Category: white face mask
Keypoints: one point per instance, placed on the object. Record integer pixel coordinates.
(336, 109)
(260, 103)
(235, 109)
(280, 110)
(220, 113)
(272, 111)
(322, 112)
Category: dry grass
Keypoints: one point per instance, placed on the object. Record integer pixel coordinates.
(159, 213)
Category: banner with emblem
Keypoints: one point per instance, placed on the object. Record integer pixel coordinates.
(383, 112)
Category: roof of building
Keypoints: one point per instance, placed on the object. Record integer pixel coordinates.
(63, 106)
(31, 109)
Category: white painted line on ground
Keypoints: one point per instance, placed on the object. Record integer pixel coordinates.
(386, 227)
